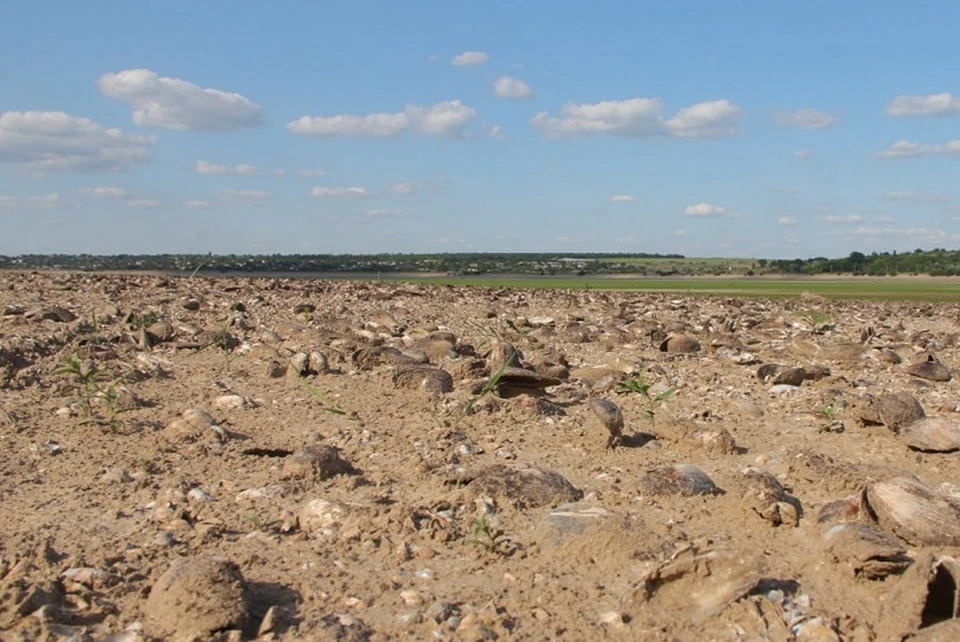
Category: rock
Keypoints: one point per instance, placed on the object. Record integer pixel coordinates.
(370, 358)
(515, 381)
(930, 369)
(317, 363)
(437, 349)
(504, 354)
(913, 512)
(160, 332)
(318, 462)
(894, 410)
(680, 344)
(427, 378)
(54, 313)
(229, 402)
(932, 434)
(525, 485)
(713, 440)
(191, 304)
(320, 518)
(299, 364)
(684, 480)
(611, 417)
(197, 597)
(194, 424)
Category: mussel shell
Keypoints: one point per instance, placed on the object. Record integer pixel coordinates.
(680, 343)
(913, 512)
(869, 551)
(684, 480)
(609, 414)
(932, 434)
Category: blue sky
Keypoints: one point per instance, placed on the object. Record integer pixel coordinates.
(752, 129)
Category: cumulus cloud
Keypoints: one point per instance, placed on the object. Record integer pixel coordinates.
(906, 149)
(622, 198)
(944, 104)
(49, 141)
(338, 192)
(106, 192)
(849, 218)
(470, 58)
(180, 105)
(786, 220)
(705, 210)
(510, 88)
(311, 173)
(143, 202)
(806, 118)
(914, 197)
(448, 118)
(639, 118)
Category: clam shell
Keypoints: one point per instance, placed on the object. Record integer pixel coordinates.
(894, 411)
(425, 378)
(680, 343)
(932, 434)
(682, 480)
(870, 552)
(611, 417)
(913, 512)
(791, 377)
(923, 601)
(768, 497)
(525, 485)
(930, 369)
(523, 378)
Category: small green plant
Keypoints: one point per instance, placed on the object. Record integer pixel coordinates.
(87, 384)
(488, 387)
(816, 319)
(329, 405)
(259, 523)
(483, 533)
(638, 384)
(828, 412)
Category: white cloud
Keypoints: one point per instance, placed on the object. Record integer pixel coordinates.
(705, 210)
(412, 187)
(510, 88)
(495, 132)
(944, 104)
(915, 234)
(203, 167)
(803, 153)
(907, 149)
(786, 220)
(45, 200)
(143, 202)
(806, 118)
(470, 58)
(245, 195)
(196, 205)
(42, 200)
(380, 213)
(442, 119)
(338, 192)
(917, 198)
(622, 198)
(711, 119)
(45, 141)
(106, 192)
(640, 117)
(849, 218)
(311, 173)
(178, 104)
(679, 232)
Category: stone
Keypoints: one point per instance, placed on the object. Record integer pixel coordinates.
(317, 461)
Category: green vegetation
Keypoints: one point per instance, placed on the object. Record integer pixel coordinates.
(90, 388)
(638, 384)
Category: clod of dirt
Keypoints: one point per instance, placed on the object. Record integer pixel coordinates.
(611, 417)
(694, 585)
(894, 410)
(680, 344)
(684, 480)
(868, 551)
(791, 377)
(932, 434)
(197, 597)
(712, 440)
(913, 512)
(317, 461)
(525, 485)
(923, 601)
(504, 354)
(320, 518)
(768, 498)
(194, 424)
(929, 369)
(427, 378)
(514, 381)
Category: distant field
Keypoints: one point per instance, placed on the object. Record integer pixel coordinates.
(891, 288)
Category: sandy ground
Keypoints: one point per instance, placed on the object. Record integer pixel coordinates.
(314, 460)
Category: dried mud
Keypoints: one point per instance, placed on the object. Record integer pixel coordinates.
(310, 460)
